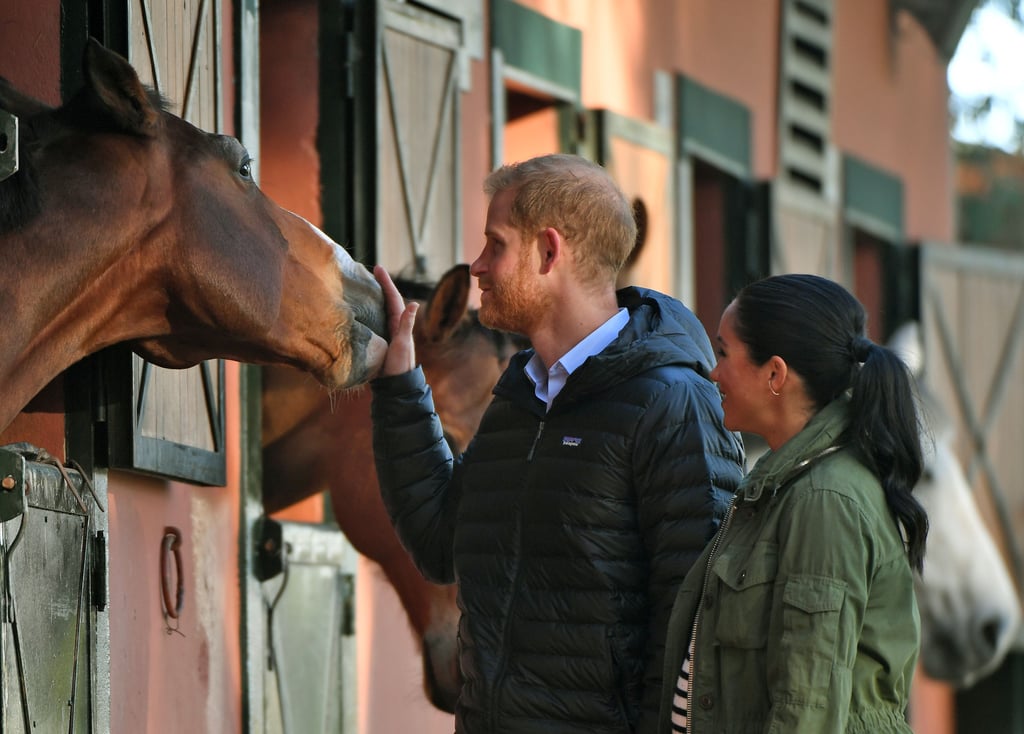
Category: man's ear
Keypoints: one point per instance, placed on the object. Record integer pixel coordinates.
(552, 248)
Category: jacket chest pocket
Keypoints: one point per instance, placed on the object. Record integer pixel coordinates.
(740, 598)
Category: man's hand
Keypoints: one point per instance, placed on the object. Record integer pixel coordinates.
(401, 355)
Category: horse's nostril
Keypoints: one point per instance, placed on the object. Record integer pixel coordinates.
(993, 632)
(366, 299)
(374, 319)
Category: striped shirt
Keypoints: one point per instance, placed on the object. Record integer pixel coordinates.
(680, 701)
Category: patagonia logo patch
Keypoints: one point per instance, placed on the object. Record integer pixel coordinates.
(571, 441)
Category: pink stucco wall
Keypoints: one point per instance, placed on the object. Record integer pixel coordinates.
(30, 47)
(891, 110)
(711, 42)
(188, 679)
(889, 86)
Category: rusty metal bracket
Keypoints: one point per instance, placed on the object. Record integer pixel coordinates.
(270, 554)
(12, 484)
(8, 144)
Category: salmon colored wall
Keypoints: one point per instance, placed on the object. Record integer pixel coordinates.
(711, 42)
(189, 679)
(476, 156)
(891, 110)
(30, 47)
(890, 91)
(531, 135)
(289, 112)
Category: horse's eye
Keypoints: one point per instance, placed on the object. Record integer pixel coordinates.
(245, 170)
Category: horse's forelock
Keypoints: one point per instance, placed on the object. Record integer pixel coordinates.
(936, 425)
(413, 289)
(159, 101)
(505, 344)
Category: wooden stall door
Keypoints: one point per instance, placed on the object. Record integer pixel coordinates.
(402, 177)
(171, 422)
(972, 312)
(972, 308)
(53, 671)
(309, 667)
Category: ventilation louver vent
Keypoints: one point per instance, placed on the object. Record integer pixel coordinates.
(805, 89)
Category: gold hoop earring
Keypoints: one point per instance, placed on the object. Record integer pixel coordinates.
(776, 394)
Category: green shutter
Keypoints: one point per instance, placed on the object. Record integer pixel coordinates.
(714, 127)
(537, 47)
(873, 199)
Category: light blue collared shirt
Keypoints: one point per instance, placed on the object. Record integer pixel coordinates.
(548, 383)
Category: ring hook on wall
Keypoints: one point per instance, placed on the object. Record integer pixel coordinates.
(172, 589)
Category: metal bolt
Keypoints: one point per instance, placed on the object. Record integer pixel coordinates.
(8, 483)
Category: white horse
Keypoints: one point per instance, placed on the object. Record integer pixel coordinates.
(970, 612)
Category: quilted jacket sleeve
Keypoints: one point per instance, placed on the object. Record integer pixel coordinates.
(415, 470)
(688, 467)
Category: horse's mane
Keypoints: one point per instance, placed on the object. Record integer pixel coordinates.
(20, 200)
(414, 288)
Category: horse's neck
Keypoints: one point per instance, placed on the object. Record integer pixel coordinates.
(64, 309)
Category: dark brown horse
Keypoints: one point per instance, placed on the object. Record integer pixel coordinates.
(313, 443)
(124, 223)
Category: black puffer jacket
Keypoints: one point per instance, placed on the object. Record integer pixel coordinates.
(569, 530)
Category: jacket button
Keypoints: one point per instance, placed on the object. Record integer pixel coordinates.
(707, 702)
(742, 578)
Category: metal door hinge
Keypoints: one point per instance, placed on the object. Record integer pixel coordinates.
(99, 571)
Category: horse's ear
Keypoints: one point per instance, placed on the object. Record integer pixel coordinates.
(640, 217)
(118, 89)
(447, 304)
(906, 343)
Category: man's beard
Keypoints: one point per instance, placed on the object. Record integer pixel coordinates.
(513, 304)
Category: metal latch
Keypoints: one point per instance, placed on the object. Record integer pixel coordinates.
(12, 484)
(270, 554)
(8, 144)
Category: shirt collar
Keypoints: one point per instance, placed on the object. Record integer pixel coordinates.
(548, 382)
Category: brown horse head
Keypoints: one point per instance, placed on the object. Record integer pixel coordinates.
(311, 444)
(127, 224)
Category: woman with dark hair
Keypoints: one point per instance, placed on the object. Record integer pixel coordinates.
(800, 616)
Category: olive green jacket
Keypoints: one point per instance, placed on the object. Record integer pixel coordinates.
(808, 621)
